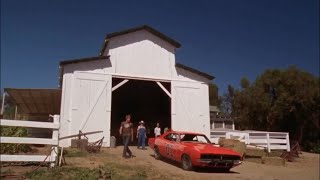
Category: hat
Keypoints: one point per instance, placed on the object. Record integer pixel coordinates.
(141, 122)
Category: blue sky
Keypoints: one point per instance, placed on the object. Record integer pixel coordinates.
(229, 39)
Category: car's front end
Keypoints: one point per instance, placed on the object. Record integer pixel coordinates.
(218, 161)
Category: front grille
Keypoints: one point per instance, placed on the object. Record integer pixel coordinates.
(219, 157)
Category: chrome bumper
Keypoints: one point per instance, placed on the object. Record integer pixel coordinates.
(218, 162)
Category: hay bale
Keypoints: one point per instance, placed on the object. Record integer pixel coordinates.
(275, 161)
(255, 152)
(79, 143)
(240, 147)
(254, 160)
(233, 144)
(227, 142)
(275, 153)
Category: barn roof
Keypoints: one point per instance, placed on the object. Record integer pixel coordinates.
(210, 77)
(179, 65)
(73, 61)
(36, 101)
(143, 27)
(82, 60)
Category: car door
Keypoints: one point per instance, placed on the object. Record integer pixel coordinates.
(170, 142)
(176, 148)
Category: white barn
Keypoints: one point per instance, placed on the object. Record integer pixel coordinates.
(136, 72)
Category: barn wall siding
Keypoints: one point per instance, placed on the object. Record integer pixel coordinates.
(65, 112)
(141, 54)
(189, 107)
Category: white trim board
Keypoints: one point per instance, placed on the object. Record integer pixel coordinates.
(33, 124)
(23, 140)
(146, 78)
(19, 158)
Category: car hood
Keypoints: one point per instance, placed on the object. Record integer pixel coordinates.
(210, 149)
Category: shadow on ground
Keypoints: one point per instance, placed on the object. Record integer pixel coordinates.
(197, 169)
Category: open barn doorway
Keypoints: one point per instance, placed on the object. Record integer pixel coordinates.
(144, 100)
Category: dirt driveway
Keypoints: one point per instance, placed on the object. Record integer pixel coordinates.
(306, 167)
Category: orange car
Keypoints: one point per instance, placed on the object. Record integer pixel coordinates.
(193, 150)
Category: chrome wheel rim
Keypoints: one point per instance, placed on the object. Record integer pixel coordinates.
(185, 162)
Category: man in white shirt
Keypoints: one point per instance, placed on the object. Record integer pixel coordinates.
(157, 130)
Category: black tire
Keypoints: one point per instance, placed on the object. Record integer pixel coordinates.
(224, 170)
(186, 163)
(156, 153)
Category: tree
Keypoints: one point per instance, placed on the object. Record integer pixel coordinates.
(213, 95)
(227, 100)
(280, 100)
(9, 108)
(244, 82)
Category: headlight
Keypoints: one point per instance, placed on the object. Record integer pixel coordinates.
(237, 162)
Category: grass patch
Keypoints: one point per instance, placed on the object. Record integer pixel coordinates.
(108, 171)
(73, 152)
(124, 171)
(6, 171)
(64, 173)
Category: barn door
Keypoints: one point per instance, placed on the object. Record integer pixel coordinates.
(91, 105)
(189, 106)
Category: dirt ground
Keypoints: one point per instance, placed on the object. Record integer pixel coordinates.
(305, 167)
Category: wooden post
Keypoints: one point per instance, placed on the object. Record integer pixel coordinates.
(268, 142)
(61, 155)
(55, 136)
(15, 112)
(246, 138)
(288, 142)
(2, 107)
(228, 135)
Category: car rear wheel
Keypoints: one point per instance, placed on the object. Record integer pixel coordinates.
(186, 162)
(156, 153)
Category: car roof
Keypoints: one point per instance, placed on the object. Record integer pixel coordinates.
(184, 132)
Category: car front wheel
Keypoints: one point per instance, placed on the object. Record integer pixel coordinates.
(186, 162)
(156, 153)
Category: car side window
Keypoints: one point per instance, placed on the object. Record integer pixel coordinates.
(171, 137)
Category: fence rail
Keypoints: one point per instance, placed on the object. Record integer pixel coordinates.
(267, 140)
(54, 141)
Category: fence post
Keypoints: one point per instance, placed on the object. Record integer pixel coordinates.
(288, 142)
(268, 142)
(55, 136)
(2, 105)
(246, 138)
(227, 135)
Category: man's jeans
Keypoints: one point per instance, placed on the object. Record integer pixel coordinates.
(126, 140)
(141, 141)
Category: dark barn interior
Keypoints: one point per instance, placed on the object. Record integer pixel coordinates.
(144, 100)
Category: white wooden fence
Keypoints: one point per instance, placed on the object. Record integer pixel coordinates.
(263, 139)
(54, 141)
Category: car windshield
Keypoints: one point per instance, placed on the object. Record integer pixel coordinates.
(197, 138)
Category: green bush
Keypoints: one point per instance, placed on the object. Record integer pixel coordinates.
(13, 132)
